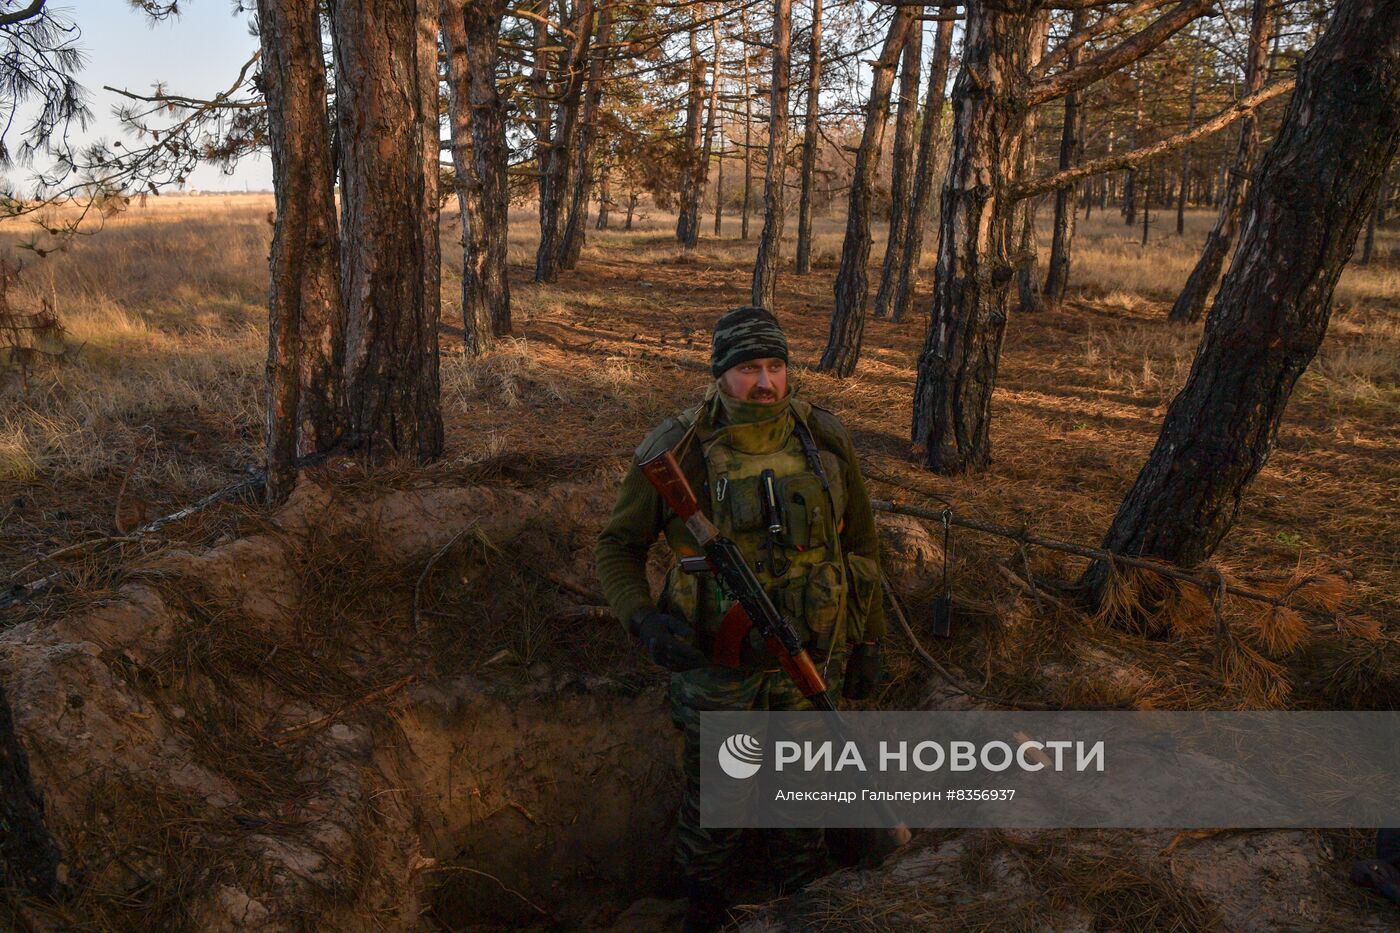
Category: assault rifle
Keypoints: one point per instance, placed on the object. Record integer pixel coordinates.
(752, 606)
(753, 609)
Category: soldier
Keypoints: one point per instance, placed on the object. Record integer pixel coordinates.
(817, 558)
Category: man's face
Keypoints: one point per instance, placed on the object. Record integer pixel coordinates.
(761, 380)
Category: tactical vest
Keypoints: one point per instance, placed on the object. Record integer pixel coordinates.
(800, 564)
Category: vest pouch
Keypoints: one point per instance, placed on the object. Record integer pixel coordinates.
(804, 506)
(863, 581)
(824, 606)
(741, 497)
(791, 599)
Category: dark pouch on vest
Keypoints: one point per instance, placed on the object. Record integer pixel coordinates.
(804, 509)
(745, 507)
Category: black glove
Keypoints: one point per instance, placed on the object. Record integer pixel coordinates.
(668, 639)
(862, 671)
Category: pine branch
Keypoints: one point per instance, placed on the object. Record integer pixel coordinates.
(1242, 107)
(1119, 56)
(1078, 38)
(19, 16)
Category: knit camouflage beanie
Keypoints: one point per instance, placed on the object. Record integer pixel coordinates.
(745, 334)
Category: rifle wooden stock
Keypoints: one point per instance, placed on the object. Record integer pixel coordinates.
(805, 674)
(663, 472)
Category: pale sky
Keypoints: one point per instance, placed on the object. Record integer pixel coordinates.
(198, 53)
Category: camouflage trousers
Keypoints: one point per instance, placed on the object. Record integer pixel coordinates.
(704, 854)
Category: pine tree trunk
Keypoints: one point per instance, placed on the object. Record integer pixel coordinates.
(1190, 123)
(924, 179)
(1368, 244)
(901, 172)
(387, 107)
(1314, 187)
(306, 318)
(748, 129)
(809, 143)
(1028, 252)
(575, 229)
(958, 365)
(765, 270)
(719, 184)
(1191, 303)
(1028, 296)
(1146, 200)
(479, 158)
(429, 433)
(695, 99)
(702, 164)
(549, 256)
(852, 280)
(604, 198)
(544, 110)
(1071, 147)
(29, 857)
(1131, 186)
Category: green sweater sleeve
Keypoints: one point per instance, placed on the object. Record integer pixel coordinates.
(860, 536)
(621, 554)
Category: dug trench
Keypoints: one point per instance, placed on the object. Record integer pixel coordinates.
(375, 713)
(398, 704)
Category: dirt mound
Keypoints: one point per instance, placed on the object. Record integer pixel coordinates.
(280, 732)
(961, 881)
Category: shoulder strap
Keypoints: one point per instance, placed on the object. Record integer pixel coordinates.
(683, 445)
(809, 449)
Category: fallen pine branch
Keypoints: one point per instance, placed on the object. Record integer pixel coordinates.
(22, 593)
(300, 730)
(73, 548)
(427, 568)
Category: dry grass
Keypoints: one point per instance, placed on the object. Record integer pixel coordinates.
(1110, 256)
(166, 316)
